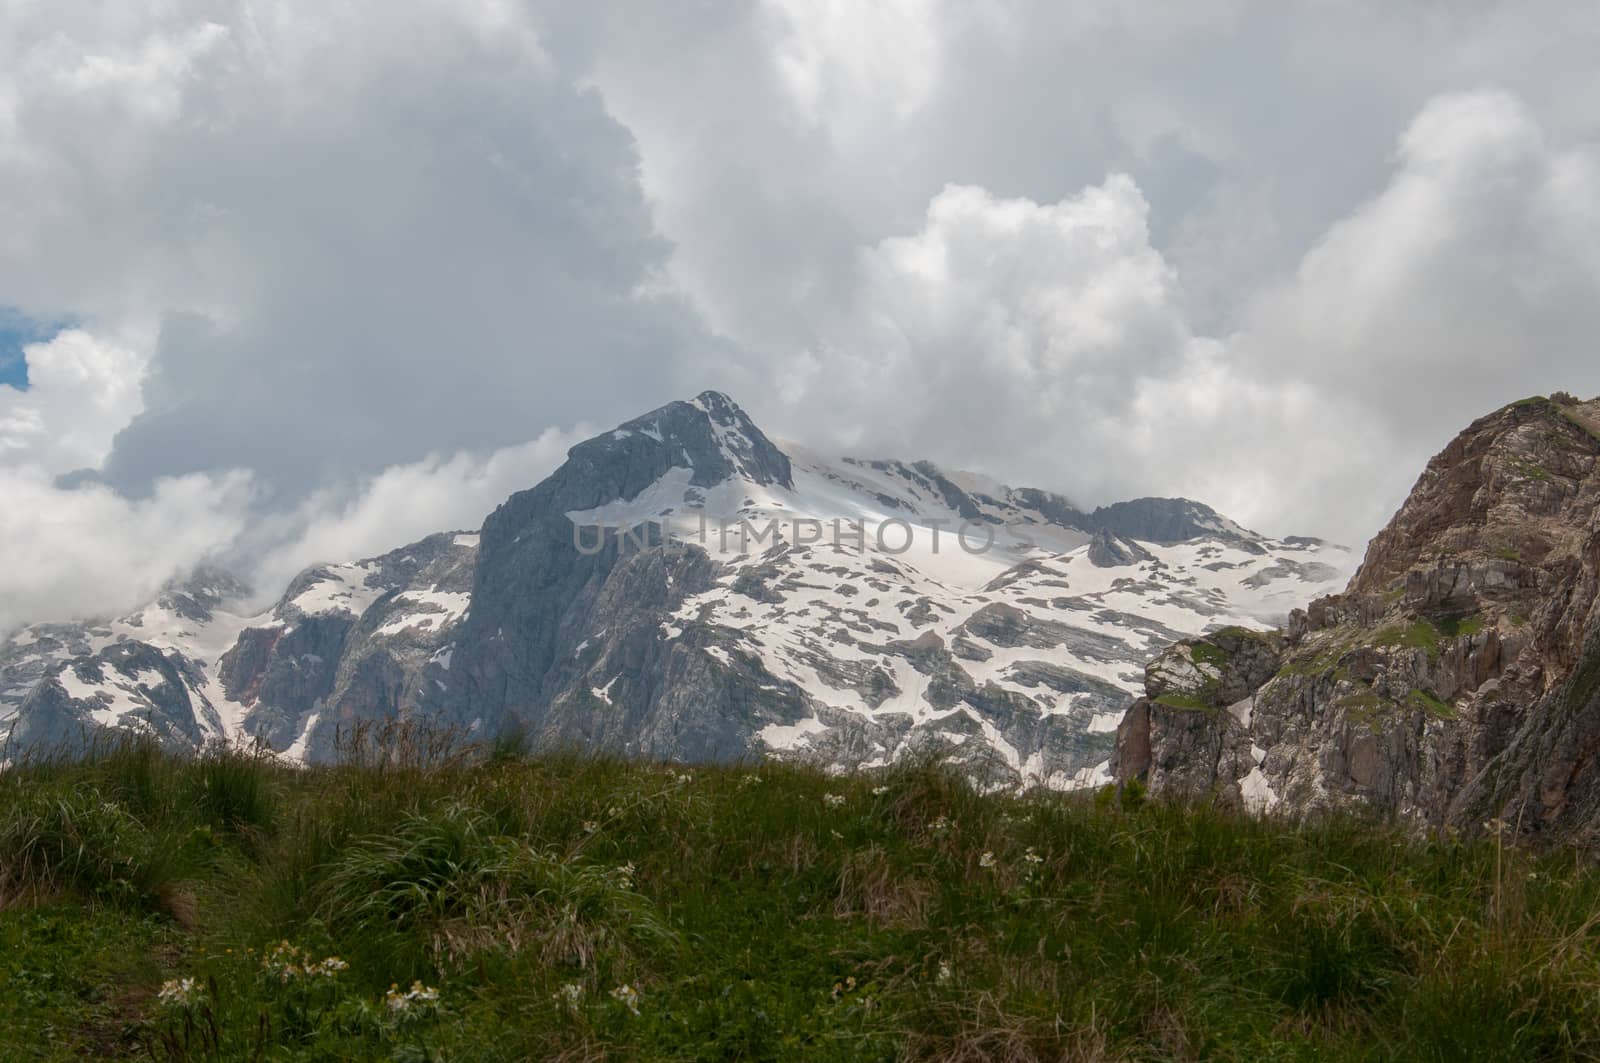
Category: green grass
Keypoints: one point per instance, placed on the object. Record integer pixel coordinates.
(1420, 635)
(1581, 426)
(1462, 626)
(564, 908)
(1209, 653)
(1426, 701)
(1365, 705)
(1528, 470)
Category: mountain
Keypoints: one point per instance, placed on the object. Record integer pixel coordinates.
(685, 588)
(1455, 681)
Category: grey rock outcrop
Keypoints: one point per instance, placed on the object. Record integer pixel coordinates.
(1457, 679)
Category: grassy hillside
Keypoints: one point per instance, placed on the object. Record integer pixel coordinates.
(224, 908)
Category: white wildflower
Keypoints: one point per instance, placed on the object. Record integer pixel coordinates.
(986, 860)
(625, 875)
(178, 993)
(833, 800)
(415, 999)
(941, 823)
(628, 996)
(1031, 855)
(945, 974)
(879, 791)
(285, 961)
(590, 826)
(569, 995)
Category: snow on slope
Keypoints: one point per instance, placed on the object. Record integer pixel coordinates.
(190, 625)
(850, 583)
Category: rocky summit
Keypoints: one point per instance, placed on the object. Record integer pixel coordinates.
(1454, 683)
(686, 588)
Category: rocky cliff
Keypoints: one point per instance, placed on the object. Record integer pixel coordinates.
(1455, 681)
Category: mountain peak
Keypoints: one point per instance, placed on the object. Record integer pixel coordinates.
(1512, 486)
(1166, 520)
(713, 436)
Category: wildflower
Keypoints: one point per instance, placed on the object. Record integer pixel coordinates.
(328, 967)
(945, 974)
(286, 961)
(750, 780)
(625, 874)
(178, 993)
(846, 986)
(590, 826)
(1031, 855)
(940, 823)
(682, 777)
(569, 995)
(879, 791)
(628, 996)
(986, 860)
(416, 998)
(833, 800)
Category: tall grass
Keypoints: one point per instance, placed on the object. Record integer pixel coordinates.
(567, 907)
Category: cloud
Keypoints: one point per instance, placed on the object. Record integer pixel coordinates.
(1052, 342)
(82, 390)
(404, 503)
(367, 232)
(90, 552)
(330, 267)
(999, 328)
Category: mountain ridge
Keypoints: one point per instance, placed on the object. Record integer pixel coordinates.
(1010, 658)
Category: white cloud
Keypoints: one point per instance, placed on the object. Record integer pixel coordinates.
(1471, 280)
(847, 65)
(88, 551)
(1001, 321)
(1051, 343)
(83, 389)
(404, 503)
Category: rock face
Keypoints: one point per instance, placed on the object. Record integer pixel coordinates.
(684, 588)
(1455, 681)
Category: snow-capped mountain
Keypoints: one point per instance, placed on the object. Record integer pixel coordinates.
(684, 587)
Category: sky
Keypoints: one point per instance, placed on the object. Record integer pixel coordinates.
(283, 281)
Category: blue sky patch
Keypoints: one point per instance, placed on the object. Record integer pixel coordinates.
(17, 331)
